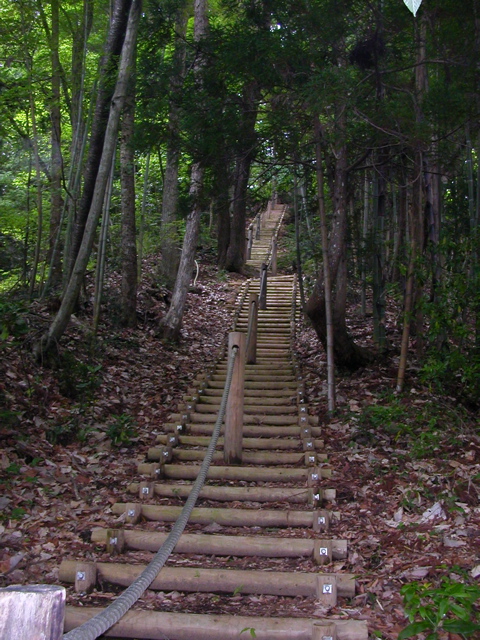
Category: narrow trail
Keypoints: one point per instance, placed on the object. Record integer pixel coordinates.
(262, 535)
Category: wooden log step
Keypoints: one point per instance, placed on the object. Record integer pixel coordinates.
(218, 545)
(253, 377)
(253, 418)
(242, 494)
(249, 431)
(249, 393)
(250, 401)
(264, 409)
(247, 474)
(153, 625)
(278, 374)
(248, 443)
(226, 517)
(252, 384)
(275, 583)
(248, 457)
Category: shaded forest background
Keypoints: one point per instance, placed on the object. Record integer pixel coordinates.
(130, 131)
(138, 138)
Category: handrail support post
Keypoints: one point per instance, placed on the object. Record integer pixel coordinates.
(251, 355)
(233, 441)
(262, 301)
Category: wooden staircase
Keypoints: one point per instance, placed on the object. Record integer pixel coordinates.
(269, 223)
(277, 507)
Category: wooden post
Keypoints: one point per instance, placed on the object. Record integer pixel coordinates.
(324, 631)
(32, 611)
(232, 452)
(273, 261)
(249, 241)
(327, 589)
(251, 356)
(262, 301)
(259, 224)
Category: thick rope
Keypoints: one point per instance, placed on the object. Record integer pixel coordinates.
(97, 625)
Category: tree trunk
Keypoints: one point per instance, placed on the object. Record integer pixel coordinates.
(141, 231)
(347, 353)
(127, 179)
(171, 324)
(108, 67)
(327, 284)
(56, 202)
(244, 158)
(222, 209)
(169, 242)
(60, 322)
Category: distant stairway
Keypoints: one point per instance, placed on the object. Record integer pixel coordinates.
(256, 558)
(262, 232)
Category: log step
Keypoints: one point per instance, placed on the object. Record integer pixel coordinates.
(219, 545)
(248, 457)
(247, 474)
(226, 517)
(277, 583)
(248, 443)
(241, 494)
(249, 431)
(253, 419)
(153, 625)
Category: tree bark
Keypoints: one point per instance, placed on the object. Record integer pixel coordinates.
(244, 157)
(60, 322)
(127, 180)
(108, 67)
(169, 242)
(347, 353)
(171, 324)
(222, 209)
(56, 201)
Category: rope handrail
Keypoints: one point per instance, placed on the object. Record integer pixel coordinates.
(100, 623)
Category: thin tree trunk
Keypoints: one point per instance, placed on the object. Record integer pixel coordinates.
(172, 322)
(363, 273)
(297, 236)
(127, 179)
(38, 180)
(327, 292)
(169, 241)
(56, 203)
(141, 231)
(60, 322)
(102, 252)
(379, 260)
(108, 66)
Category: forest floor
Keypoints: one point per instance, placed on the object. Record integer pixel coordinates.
(406, 468)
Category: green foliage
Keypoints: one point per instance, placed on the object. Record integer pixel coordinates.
(123, 430)
(451, 607)
(251, 630)
(12, 319)
(421, 427)
(77, 380)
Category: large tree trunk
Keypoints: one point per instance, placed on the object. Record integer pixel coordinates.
(60, 322)
(221, 209)
(169, 241)
(108, 67)
(171, 324)
(247, 139)
(347, 353)
(127, 179)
